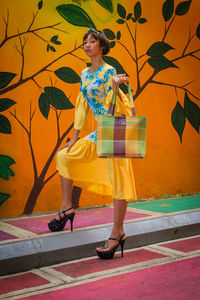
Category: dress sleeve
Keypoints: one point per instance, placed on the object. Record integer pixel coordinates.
(81, 112)
(123, 106)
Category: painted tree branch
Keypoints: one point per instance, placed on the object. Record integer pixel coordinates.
(22, 81)
(176, 86)
(39, 184)
(31, 31)
(127, 50)
(167, 30)
(28, 131)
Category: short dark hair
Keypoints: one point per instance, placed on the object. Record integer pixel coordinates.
(99, 35)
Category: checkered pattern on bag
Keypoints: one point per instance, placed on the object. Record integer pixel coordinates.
(121, 136)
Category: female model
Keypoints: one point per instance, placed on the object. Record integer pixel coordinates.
(77, 160)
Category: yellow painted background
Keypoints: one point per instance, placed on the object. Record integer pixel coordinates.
(170, 167)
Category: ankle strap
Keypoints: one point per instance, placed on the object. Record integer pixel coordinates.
(66, 209)
(117, 239)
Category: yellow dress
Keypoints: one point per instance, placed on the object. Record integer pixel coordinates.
(108, 176)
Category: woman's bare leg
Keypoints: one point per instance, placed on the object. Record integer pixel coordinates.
(66, 185)
(120, 207)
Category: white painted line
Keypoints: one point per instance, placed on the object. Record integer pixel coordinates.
(133, 268)
(16, 231)
(61, 276)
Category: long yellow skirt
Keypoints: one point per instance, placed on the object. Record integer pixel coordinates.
(107, 176)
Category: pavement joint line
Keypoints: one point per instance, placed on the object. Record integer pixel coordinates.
(112, 272)
(50, 277)
(57, 274)
(16, 231)
(158, 262)
(23, 292)
(168, 251)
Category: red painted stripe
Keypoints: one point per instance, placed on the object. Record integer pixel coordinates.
(184, 245)
(97, 265)
(173, 281)
(19, 282)
(119, 137)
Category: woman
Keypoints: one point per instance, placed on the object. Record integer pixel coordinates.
(77, 160)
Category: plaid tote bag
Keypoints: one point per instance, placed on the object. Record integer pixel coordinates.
(121, 136)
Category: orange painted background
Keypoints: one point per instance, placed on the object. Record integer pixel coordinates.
(170, 167)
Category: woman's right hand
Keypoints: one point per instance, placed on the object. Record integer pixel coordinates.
(68, 145)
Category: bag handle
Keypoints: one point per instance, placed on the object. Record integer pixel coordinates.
(111, 110)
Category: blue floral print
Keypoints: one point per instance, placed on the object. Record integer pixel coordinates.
(95, 86)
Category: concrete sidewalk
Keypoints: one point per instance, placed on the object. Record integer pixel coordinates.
(162, 271)
(26, 243)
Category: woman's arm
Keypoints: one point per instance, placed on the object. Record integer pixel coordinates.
(72, 141)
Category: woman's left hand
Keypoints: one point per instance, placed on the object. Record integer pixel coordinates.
(120, 78)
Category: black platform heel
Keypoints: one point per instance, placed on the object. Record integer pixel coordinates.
(59, 225)
(110, 253)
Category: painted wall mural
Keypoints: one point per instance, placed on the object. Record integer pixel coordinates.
(157, 43)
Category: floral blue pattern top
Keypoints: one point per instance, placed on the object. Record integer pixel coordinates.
(94, 87)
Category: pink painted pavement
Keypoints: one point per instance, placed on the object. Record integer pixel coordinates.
(187, 245)
(172, 281)
(4, 236)
(97, 265)
(84, 218)
(18, 282)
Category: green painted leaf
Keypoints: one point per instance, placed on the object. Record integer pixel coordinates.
(88, 64)
(48, 47)
(182, 8)
(109, 34)
(121, 11)
(3, 197)
(134, 20)
(160, 63)
(5, 78)
(112, 44)
(5, 126)
(198, 32)
(178, 119)
(6, 103)
(68, 140)
(40, 4)
(75, 15)
(142, 20)
(52, 48)
(57, 43)
(54, 38)
(137, 10)
(168, 9)
(120, 21)
(118, 35)
(57, 98)
(158, 49)
(5, 163)
(107, 4)
(129, 16)
(67, 75)
(44, 105)
(192, 112)
(113, 62)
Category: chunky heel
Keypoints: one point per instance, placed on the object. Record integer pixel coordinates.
(108, 254)
(59, 225)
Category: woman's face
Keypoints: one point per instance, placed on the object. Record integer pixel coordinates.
(91, 46)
